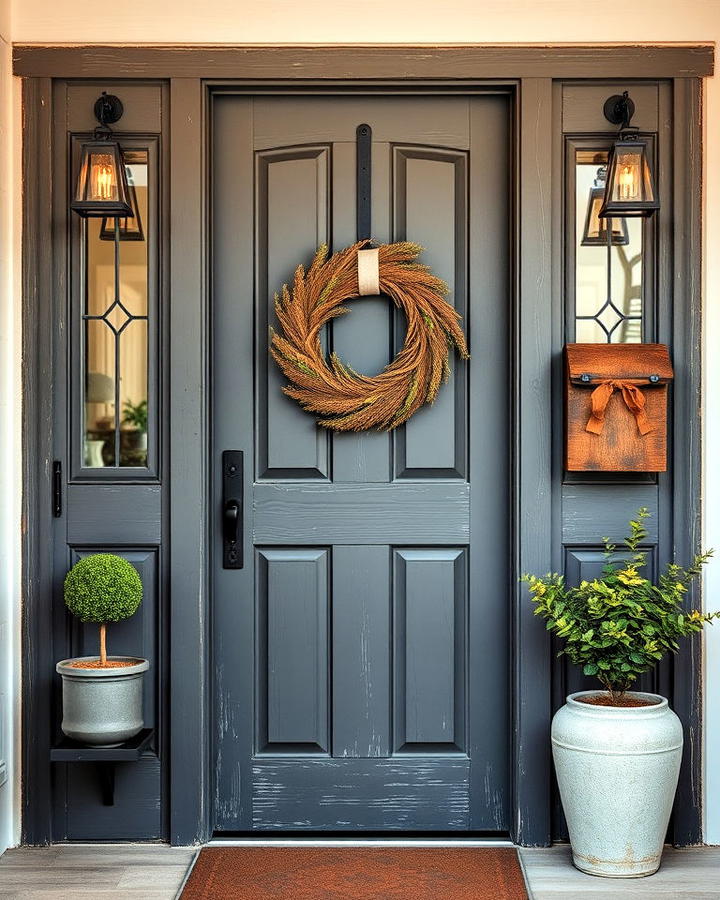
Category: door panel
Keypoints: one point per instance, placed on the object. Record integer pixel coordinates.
(288, 445)
(430, 613)
(292, 649)
(360, 657)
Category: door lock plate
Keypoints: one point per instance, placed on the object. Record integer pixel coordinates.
(232, 508)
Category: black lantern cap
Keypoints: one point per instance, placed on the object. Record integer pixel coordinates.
(630, 187)
(102, 188)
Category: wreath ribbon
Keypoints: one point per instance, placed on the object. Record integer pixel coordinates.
(368, 266)
(634, 400)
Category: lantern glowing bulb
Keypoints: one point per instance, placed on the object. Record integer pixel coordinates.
(630, 189)
(103, 181)
(102, 188)
(626, 179)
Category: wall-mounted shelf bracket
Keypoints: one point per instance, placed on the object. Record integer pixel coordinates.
(105, 758)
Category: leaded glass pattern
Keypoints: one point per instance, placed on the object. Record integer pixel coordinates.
(608, 275)
(115, 328)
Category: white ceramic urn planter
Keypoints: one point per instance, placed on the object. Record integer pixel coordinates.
(617, 770)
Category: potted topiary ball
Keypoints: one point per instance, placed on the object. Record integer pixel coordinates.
(102, 696)
(617, 752)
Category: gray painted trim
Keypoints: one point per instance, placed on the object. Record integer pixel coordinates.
(37, 450)
(190, 703)
(687, 433)
(351, 62)
(533, 429)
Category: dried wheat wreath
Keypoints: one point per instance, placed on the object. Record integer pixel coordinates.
(346, 400)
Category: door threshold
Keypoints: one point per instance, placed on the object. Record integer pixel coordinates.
(262, 841)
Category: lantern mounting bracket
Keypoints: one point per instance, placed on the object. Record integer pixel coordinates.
(108, 109)
(619, 109)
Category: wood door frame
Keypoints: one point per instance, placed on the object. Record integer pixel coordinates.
(529, 72)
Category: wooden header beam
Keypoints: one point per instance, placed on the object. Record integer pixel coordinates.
(357, 62)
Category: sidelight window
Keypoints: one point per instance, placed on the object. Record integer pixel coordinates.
(608, 254)
(117, 406)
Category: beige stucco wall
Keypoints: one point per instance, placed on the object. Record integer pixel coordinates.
(404, 21)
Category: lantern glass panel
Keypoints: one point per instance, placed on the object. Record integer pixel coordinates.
(630, 189)
(595, 232)
(131, 227)
(595, 321)
(101, 186)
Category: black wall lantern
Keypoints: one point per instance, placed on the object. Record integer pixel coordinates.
(630, 188)
(102, 188)
(595, 231)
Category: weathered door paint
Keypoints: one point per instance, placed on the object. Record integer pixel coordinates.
(361, 655)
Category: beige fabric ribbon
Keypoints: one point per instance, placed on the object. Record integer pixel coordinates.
(368, 265)
(634, 400)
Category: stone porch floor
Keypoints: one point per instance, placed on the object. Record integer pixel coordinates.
(156, 872)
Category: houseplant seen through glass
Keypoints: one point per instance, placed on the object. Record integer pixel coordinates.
(102, 695)
(136, 416)
(617, 752)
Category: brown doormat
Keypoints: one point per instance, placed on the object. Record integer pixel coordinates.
(356, 873)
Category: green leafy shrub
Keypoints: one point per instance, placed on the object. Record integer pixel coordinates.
(620, 625)
(103, 588)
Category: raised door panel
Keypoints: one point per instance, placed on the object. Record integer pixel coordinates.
(430, 202)
(292, 197)
(292, 652)
(430, 650)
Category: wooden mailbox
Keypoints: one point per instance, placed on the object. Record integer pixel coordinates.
(616, 407)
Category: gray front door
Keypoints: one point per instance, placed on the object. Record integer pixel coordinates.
(360, 657)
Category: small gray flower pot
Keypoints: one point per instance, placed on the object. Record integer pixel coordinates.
(102, 707)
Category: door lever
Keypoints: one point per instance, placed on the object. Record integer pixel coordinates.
(232, 508)
(232, 521)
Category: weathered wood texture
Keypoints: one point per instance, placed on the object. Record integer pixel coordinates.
(37, 446)
(189, 701)
(614, 442)
(421, 793)
(373, 513)
(685, 269)
(130, 514)
(114, 872)
(690, 874)
(532, 440)
(461, 61)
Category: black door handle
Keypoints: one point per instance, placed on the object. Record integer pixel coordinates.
(231, 521)
(232, 508)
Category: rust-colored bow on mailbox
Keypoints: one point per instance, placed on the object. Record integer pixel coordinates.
(634, 400)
